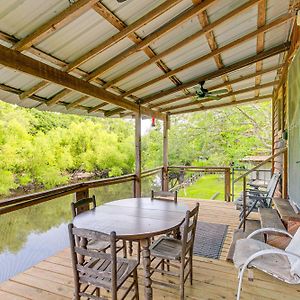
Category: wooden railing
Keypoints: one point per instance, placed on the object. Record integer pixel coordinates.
(245, 174)
(212, 169)
(81, 189)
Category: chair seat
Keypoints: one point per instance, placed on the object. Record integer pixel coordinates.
(273, 264)
(98, 272)
(167, 248)
(97, 245)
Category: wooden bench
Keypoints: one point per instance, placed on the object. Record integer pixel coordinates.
(269, 218)
(285, 210)
(251, 225)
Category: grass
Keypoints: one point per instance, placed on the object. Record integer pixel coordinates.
(206, 187)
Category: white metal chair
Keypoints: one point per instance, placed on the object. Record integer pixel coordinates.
(281, 264)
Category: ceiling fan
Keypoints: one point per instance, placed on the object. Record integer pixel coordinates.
(202, 92)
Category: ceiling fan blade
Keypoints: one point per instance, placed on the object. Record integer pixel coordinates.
(217, 92)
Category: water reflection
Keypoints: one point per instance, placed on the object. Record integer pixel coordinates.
(32, 234)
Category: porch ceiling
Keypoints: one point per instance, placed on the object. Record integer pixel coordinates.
(103, 58)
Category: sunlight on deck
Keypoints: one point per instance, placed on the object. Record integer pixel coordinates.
(213, 279)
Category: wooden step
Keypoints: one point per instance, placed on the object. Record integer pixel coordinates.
(251, 225)
(269, 218)
(285, 210)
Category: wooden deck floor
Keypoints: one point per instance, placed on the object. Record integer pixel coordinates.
(52, 279)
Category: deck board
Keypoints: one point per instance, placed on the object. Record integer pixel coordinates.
(52, 279)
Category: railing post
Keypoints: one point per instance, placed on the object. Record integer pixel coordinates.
(232, 184)
(227, 184)
(83, 194)
(244, 202)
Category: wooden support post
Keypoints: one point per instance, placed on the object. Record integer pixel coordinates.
(285, 175)
(138, 170)
(165, 175)
(244, 202)
(227, 184)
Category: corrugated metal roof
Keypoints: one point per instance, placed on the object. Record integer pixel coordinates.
(19, 18)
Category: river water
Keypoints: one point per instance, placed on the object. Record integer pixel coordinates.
(29, 235)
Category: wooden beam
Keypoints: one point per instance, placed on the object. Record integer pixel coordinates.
(260, 44)
(239, 102)
(60, 20)
(151, 38)
(120, 25)
(15, 60)
(125, 31)
(184, 42)
(97, 107)
(58, 97)
(238, 65)
(212, 43)
(215, 87)
(214, 53)
(33, 90)
(77, 102)
(233, 93)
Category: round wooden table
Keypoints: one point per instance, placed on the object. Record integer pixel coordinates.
(135, 219)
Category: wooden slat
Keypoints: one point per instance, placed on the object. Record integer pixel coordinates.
(60, 20)
(269, 218)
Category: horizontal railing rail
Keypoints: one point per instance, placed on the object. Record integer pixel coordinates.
(19, 202)
(260, 164)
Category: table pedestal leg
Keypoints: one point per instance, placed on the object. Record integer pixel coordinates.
(146, 264)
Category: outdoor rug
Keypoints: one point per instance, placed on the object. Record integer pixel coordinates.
(209, 239)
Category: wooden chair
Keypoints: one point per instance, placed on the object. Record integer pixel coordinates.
(95, 271)
(261, 198)
(167, 249)
(168, 196)
(87, 204)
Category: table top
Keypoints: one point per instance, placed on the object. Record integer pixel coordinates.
(134, 218)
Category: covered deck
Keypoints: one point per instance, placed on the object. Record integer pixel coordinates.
(146, 59)
(52, 279)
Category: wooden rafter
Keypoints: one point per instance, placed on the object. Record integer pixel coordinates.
(212, 43)
(221, 85)
(124, 30)
(60, 20)
(15, 60)
(151, 38)
(214, 53)
(230, 94)
(77, 102)
(238, 65)
(120, 25)
(232, 103)
(184, 42)
(261, 21)
(218, 86)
